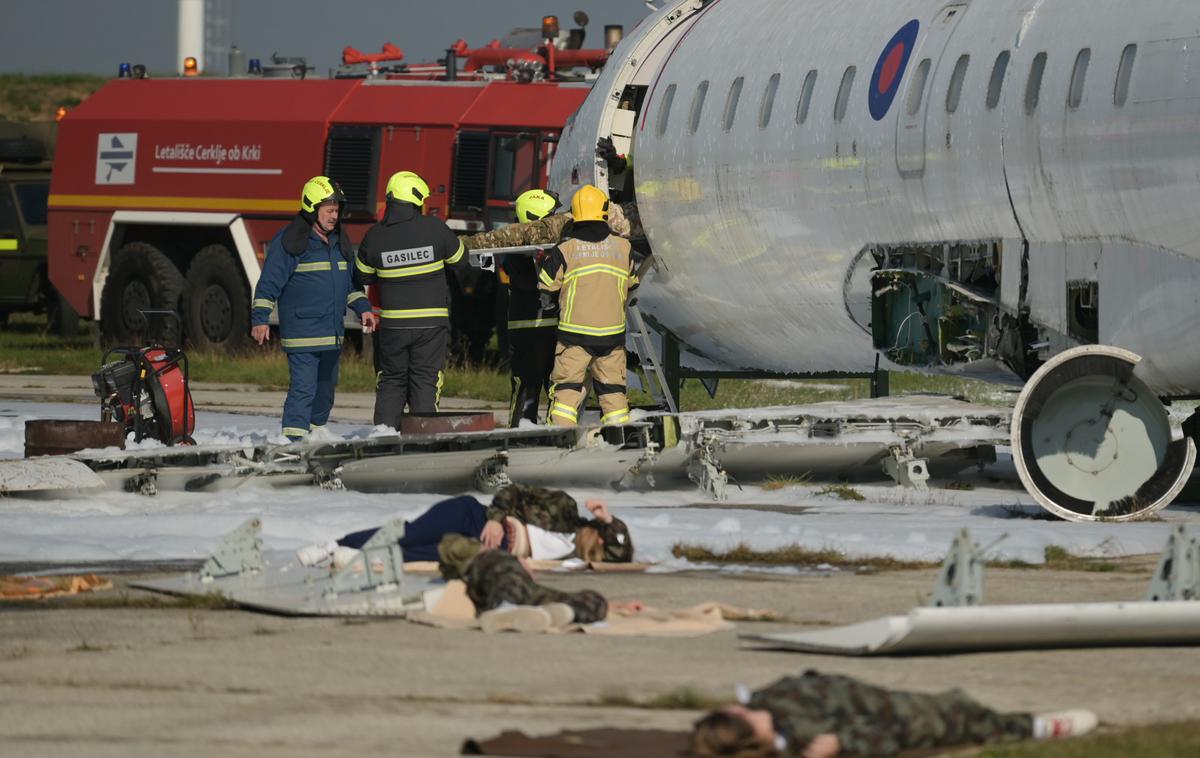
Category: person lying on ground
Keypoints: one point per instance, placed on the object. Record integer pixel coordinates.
(530, 522)
(496, 579)
(823, 715)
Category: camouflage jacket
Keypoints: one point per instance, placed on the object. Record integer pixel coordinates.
(494, 577)
(870, 720)
(552, 510)
(623, 219)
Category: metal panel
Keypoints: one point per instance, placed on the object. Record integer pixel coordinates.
(910, 126)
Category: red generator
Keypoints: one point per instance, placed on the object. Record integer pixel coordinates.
(146, 389)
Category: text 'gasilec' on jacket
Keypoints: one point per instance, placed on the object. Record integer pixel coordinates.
(406, 256)
(310, 282)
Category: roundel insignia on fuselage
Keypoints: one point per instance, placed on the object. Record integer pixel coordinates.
(889, 69)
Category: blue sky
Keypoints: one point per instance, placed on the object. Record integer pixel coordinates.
(94, 36)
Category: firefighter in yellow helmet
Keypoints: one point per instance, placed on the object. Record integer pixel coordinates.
(592, 271)
(406, 256)
(308, 276)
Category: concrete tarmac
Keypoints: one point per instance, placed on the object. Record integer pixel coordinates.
(80, 677)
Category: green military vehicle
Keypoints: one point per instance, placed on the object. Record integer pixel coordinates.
(26, 151)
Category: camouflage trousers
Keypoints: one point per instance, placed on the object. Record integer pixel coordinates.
(870, 720)
(495, 577)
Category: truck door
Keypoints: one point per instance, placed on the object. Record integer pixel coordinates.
(910, 125)
(514, 169)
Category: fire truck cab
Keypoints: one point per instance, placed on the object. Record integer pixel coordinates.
(166, 193)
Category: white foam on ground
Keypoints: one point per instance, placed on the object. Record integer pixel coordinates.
(906, 524)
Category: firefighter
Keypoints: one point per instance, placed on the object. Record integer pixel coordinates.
(593, 270)
(309, 276)
(532, 315)
(406, 256)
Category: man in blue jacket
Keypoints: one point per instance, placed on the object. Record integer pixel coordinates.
(309, 276)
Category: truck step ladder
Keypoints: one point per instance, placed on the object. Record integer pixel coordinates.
(655, 378)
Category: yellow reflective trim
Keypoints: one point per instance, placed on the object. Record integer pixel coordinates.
(415, 313)
(594, 331)
(364, 267)
(566, 411)
(458, 254)
(261, 303)
(395, 273)
(532, 323)
(569, 306)
(342, 266)
(618, 416)
(354, 296)
(291, 431)
(9, 244)
(310, 341)
(318, 266)
(437, 394)
(545, 277)
(599, 268)
(147, 201)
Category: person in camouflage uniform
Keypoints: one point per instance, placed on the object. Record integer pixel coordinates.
(556, 511)
(818, 715)
(495, 577)
(532, 316)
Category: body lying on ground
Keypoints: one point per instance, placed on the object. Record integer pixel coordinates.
(822, 715)
(529, 522)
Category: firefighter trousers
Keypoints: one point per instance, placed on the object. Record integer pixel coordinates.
(532, 358)
(572, 364)
(312, 380)
(410, 366)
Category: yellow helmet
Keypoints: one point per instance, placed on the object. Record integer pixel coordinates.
(589, 204)
(407, 187)
(535, 203)
(317, 190)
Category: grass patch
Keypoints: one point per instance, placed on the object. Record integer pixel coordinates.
(842, 492)
(782, 481)
(25, 97)
(683, 698)
(791, 555)
(1059, 558)
(1178, 740)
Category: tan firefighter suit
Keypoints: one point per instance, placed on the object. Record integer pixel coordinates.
(592, 270)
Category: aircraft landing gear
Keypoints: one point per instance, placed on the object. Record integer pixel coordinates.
(1092, 442)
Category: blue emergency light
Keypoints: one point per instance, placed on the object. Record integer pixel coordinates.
(124, 71)
(255, 67)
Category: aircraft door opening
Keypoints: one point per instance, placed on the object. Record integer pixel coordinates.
(910, 124)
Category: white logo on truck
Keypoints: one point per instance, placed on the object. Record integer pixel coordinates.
(116, 158)
(394, 258)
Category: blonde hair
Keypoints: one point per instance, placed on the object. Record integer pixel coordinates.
(588, 545)
(727, 735)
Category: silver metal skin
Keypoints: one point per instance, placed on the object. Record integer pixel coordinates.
(1082, 173)
(756, 228)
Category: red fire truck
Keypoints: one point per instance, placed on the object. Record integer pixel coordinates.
(165, 193)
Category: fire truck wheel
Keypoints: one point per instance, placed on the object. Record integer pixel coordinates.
(140, 276)
(216, 305)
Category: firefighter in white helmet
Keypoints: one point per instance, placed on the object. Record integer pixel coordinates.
(406, 256)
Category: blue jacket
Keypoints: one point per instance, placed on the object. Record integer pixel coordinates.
(311, 287)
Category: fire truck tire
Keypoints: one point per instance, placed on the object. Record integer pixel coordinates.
(140, 276)
(216, 304)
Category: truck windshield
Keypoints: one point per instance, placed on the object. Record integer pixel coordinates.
(33, 197)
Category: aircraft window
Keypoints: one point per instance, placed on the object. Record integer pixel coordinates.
(697, 106)
(916, 87)
(810, 82)
(996, 84)
(843, 96)
(664, 109)
(1078, 77)
(1124, 73)
(731, 102)
(768, 102)
(954, 94)
(1033, 87)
